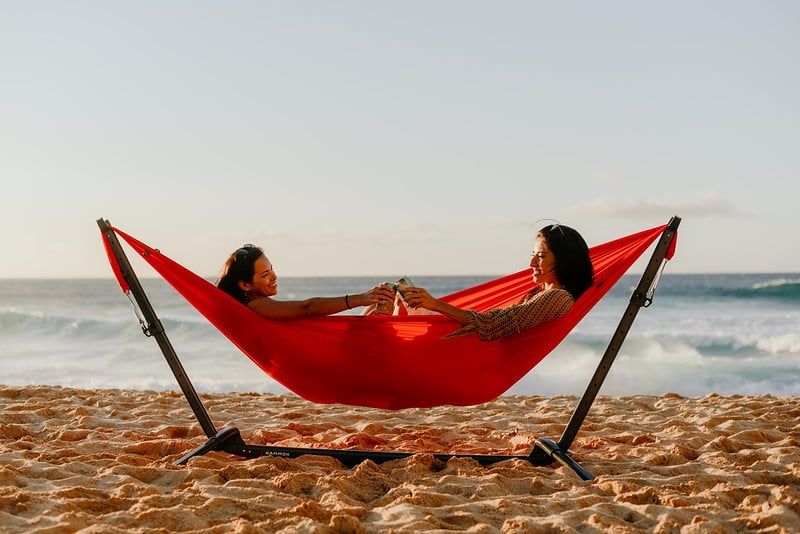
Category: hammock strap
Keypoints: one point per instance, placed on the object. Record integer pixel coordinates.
(648, 300)
(136, 310)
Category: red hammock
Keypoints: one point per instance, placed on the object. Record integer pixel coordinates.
(395, 362)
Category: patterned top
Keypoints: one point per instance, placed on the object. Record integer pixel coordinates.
(535, 308)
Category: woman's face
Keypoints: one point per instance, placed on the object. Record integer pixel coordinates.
(543, 263)
(265, 281)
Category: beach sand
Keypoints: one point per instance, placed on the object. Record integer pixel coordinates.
(101, 461)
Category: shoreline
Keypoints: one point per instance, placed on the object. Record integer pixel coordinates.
(80, 459)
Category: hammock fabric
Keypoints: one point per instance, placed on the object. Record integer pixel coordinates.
(395, 362)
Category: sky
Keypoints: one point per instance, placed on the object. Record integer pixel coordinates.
(391, 138)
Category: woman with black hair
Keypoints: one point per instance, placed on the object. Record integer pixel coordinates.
(560, 267)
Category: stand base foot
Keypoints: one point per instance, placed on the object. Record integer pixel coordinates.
(221, 441)
(554, 451)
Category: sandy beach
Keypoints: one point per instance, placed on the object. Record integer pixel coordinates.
(102, 461)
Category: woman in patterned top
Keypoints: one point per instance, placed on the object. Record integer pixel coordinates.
(562, 270)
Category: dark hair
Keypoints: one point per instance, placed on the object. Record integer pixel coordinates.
(239, 267)
(573, 265)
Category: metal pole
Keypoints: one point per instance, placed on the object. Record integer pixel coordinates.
(154, 328)
(638, 300)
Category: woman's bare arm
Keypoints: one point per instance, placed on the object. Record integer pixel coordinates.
(284, 310)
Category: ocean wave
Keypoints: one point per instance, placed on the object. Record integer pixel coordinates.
(727, 287)
(778, 282)
(32, 324)
(779, 289)
(656, 366)
(722, 343)
(28, 320)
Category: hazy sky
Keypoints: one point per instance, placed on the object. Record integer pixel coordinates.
(389, 138)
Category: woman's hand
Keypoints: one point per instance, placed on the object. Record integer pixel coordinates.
(381, 294)
(418, 297)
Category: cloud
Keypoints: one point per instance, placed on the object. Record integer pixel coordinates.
(703, 204)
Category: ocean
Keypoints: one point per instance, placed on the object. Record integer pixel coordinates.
(722, 333)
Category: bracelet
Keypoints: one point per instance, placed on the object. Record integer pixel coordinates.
(347, 301)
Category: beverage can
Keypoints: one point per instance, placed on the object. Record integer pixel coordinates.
(385, 307)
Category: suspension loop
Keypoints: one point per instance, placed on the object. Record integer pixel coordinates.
(138, 312)
(648, 300)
